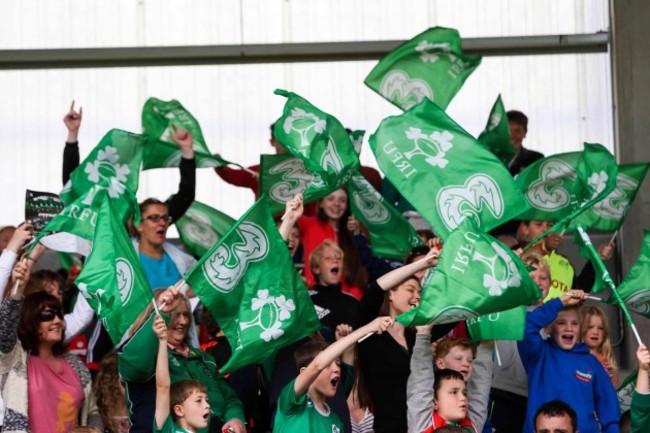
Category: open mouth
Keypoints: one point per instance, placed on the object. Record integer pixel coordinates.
(206, 415)
(567, 338)
(335, 381)
(335, 271)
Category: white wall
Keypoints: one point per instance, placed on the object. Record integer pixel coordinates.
(567, 97)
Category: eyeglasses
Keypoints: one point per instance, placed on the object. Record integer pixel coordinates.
(49, 315)
(154, 218)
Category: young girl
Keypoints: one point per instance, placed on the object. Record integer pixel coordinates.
(595, 334)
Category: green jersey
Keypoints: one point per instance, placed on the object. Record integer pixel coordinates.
(300, 414)
(169, 427)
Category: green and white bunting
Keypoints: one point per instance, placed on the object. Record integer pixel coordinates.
(201, 227)
(249, 284)
(283, 176)
(391, 235)
(112, 166)
(496, 135)
(157, 120)
(318, 139)
(432, 65)
(561, 186)
(504, 325)
(609, 213)
(112, 279)
(443, 171)
(635, 288)
(476, 275)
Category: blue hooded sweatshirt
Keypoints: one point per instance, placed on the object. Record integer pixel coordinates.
(574, 376)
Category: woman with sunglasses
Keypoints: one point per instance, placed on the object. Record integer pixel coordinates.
(45, 389)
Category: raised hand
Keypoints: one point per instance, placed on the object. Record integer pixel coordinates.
(21, 235)
(294, 208)
(573, 297)
(353, 225)
(160, 328)
(183, 138)
(72, 121)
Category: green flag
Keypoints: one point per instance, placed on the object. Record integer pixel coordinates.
(112, 166)
(249, 284)
(443, 171)
(432, 65)
(157, 120)
(283, 176)
(561, 186)
(476, 275)
(496, 135)
(201, 227)
(635, 288)
(625, 391)
(112, 279)
(318, 139)
(609, 213)
(504, 325)
(72, 230)
(391, 235)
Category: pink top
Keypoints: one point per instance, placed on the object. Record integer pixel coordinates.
(55, 397)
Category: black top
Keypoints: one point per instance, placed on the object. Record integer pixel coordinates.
(525, 158)
(334, 308)
(385, 365)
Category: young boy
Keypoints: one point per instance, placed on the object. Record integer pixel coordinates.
(562, 368)
(186, 401)
(301, 405)
(437, 400)
(457, 354)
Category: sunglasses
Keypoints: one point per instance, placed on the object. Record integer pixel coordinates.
(49, 315)
(154, 218)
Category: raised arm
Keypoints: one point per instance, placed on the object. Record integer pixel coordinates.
(10, 254)
(478, 385)
(182, 200)
(419, 388)
(163, 382)
(72, 121)
(393, 278)
(293, 210)
(334, 351)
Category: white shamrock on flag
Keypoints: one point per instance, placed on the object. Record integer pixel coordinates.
(598, 182)
(301, 122)
(108, 171)
(278, 309)
(491, 280)
(437, 144)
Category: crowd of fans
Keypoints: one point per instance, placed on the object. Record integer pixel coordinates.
(362, 372)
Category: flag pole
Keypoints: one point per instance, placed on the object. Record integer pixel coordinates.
(607, 279)
(611, 241)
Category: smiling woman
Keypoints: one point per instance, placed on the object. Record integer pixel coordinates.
(41, 377)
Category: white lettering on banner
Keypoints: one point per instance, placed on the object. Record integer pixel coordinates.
(464, 252)
(86, 215)
(228, 263)
(398, 159)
